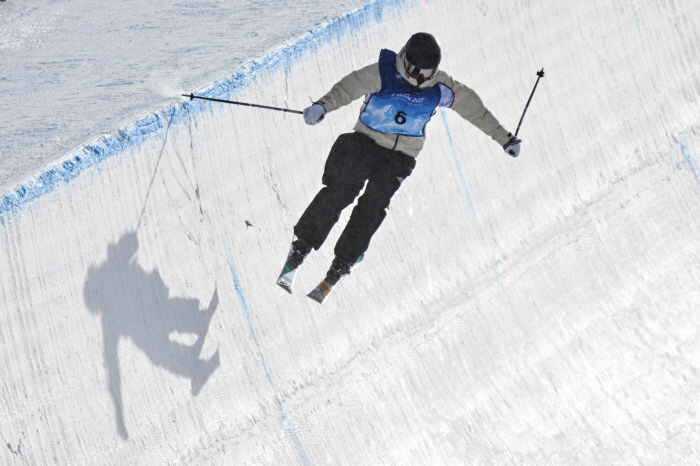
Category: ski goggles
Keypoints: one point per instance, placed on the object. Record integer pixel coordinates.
(415, 72)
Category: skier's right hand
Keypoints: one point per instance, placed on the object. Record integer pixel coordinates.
(314, 114)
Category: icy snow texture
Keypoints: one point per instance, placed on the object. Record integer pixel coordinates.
(540, 310)
(71, 70)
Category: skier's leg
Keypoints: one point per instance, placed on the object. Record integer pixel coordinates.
(111, 358)
(347, 168)
(370, 211)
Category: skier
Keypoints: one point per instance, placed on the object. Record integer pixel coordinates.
(402, 93)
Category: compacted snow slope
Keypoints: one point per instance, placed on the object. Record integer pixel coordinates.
(540, 310)
(74, 69)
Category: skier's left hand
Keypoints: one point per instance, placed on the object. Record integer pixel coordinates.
(512, 147)
(314, 114)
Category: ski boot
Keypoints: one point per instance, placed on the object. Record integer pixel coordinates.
(339, 269)
(297, 253)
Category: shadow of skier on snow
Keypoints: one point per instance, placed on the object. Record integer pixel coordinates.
(135, 304)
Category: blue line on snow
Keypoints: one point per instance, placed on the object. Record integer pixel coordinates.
(639, 23)
(478, 224)
(498, 273)
(244, 301)
(689, 161)
(135, 134)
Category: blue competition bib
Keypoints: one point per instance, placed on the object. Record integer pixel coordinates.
(399, 107)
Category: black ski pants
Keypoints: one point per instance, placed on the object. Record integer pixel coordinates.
(354, 160)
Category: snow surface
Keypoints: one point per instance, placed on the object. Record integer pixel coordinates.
(71, 70)
(540, 310)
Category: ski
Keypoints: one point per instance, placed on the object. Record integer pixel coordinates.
(286, 278)
(323, 290)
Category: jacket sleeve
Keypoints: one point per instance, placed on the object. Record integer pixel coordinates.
(470, 107)
(353, 86)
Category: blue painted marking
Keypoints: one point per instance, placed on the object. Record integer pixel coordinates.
(498, 273)
(420, 15)
(241, 296)
(639, 23)
(93, 154)
(478, 224)
(688, 159)
(353, 23)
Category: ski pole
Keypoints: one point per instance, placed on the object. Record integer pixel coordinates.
(540, 74)
(192, 96)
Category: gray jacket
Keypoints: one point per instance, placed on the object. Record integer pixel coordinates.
(457, 96)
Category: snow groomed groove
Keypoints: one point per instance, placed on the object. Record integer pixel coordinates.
(533, 311)
(244, 305)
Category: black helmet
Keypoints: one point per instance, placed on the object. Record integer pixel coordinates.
(423, 51)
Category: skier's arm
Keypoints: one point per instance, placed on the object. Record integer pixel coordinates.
(470, 107)
(353, 86)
